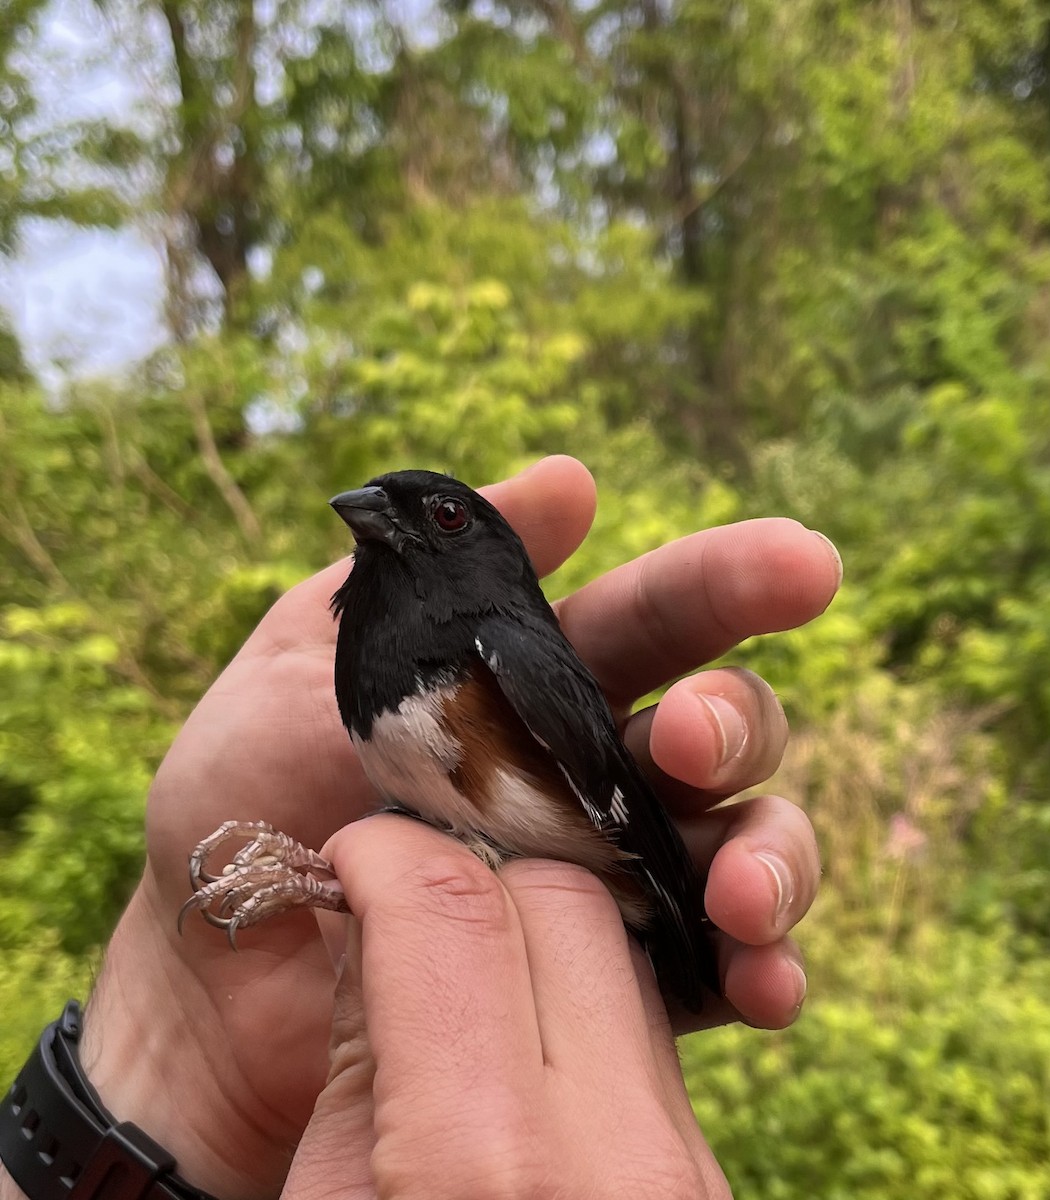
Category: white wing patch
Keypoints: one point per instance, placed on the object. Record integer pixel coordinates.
(489, 657)
(670, 904)
(596, 815)
(618, 809)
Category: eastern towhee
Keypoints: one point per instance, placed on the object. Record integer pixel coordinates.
(469, 709)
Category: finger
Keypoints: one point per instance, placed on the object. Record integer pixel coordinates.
(662, 1040)
(712, 735)
(334, 1155)
(602, 1022)
(551, 507)
(688, 602)
(550, 504)
(765, 987)
(447, 996)
(442, 951)
(765, 872)
(591, 1018)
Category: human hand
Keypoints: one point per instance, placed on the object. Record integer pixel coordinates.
(494, 1036)
(235, 1044)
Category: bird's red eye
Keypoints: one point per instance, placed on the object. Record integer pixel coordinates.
(450, 515)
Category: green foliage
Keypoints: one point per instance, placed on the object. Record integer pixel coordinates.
(927, 1077)
(77, 746)
(742, 260)
(36, 979)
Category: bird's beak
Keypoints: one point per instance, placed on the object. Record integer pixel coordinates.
(369, 514)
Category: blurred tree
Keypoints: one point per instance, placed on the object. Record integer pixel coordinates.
(12, 364)
(742, 259)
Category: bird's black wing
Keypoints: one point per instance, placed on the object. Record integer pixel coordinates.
(565, 710)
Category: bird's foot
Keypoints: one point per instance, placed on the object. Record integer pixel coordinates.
(272, 874)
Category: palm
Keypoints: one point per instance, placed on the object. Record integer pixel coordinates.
(265, 743)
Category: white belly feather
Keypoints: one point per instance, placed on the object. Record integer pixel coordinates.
(410, 756)
(410, 759)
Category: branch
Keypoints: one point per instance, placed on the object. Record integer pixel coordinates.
(20, 533)
(160, 490)
(726, 177)
(225, 484)
(561, 22)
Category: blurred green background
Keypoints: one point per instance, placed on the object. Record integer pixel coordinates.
(742, 259)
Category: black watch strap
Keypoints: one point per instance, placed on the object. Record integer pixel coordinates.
(58, 1142)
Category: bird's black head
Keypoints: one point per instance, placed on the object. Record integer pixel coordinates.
(451, 542)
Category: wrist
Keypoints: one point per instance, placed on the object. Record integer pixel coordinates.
(59, 1142)
(9, 1190)
(145, 1050)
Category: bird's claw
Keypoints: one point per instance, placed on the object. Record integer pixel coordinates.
(271, 874)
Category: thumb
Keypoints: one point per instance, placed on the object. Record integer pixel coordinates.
(335, 1153)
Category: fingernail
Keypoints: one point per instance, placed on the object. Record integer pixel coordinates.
(730, 725)
(782, 880)
(802, 985)
(834, 552)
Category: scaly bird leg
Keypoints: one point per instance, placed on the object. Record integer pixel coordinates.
(272, 874)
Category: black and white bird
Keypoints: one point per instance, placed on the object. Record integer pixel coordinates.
(469, 708)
